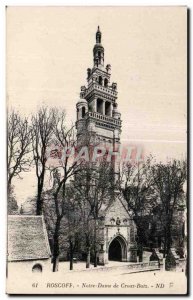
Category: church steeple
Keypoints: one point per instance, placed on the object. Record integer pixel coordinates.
(97, 109)
(98, 50)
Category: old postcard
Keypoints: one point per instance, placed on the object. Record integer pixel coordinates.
(97, 150)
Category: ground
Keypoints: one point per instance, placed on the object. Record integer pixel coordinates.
(113, 279)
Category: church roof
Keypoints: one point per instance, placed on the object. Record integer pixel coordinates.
(27, 238)
(82, 100)
(118, 207)
(98, 47)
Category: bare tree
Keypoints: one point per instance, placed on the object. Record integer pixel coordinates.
(42, 135)
(81, 186)
(169, 180)
(74, 222)
(136, 188)
(19, 146)
(95, 189)
(12, 207)
(62, 171)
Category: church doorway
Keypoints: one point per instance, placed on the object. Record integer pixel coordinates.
(118, 249)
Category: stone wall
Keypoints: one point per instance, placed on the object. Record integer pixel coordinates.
(27, 265)
(119, 226)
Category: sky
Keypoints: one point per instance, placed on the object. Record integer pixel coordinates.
(50, 48)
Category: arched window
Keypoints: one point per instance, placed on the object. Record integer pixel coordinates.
(37, 268)
(108, 108)
(91, 107)
(100, 106)
(83, 112)
(106, 82)
(100, 80)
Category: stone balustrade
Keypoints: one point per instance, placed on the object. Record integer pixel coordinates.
(96, 86)
(101, 117)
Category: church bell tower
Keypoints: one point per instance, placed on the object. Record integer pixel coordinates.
(97, 109)
(98, 116)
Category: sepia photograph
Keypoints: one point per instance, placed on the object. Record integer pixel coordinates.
(97, 197)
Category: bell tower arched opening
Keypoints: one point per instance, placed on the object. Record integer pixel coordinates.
(83, 112)
(106, 82)
(108, 108)
(100, 106)
(100, 80)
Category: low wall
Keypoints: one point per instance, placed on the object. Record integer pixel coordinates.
(27, 265)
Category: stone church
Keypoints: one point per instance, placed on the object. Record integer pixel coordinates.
(97, 114)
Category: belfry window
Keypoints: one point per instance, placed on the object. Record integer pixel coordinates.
(100, 80)
(107, 108)
(83, 112)
(106, 82)
(100, 106)
(99, 55)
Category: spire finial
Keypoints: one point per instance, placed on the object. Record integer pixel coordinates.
(98, 50)
(98, 35)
